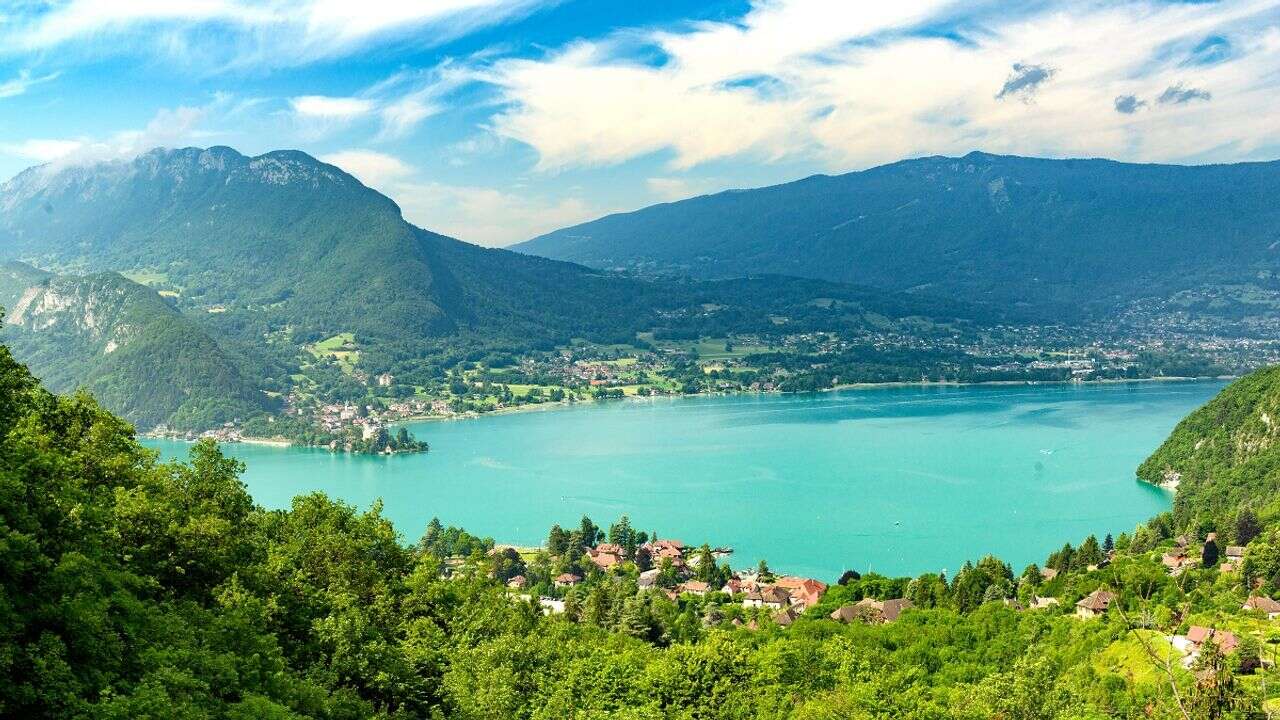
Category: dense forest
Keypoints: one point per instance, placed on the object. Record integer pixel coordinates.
(131, 588)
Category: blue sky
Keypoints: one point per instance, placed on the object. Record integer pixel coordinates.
(496, 120)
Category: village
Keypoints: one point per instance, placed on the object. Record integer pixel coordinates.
(562, 577)
(339, 403)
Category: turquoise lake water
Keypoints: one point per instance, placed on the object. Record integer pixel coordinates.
(897, 480)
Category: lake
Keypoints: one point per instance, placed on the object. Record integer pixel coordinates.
(899, 480)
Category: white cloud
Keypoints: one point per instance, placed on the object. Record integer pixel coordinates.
(42, 150)
(330, 108)
(247, 32)
(489, 216)
(403, 115)
(19, 84)
(852, 84)
(673, 188)
(481, 215)
(375, 169)
(170, 127)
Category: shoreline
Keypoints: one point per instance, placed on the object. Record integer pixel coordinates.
(547, 406)
(564, 404)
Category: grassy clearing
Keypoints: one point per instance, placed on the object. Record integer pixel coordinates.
(147, 277)
(340, 347)
(1128, 659)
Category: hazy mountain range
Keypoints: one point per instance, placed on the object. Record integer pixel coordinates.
(1059, 238)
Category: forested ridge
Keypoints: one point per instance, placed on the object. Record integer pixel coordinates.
(1058, 238)
(131, 588)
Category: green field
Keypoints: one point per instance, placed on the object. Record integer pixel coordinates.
(340, 347)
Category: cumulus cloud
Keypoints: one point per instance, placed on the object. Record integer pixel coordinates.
(1180, 94)
(1129, 104)
(1025, 80)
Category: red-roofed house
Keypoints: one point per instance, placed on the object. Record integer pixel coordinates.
(1264, 604)
(1095, 604)
(567, 580)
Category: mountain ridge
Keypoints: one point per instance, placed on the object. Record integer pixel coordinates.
(1046, 234)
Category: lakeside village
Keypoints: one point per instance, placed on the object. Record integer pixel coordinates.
(338, 403)
(586, 574)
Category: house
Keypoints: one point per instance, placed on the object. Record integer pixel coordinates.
(668, 551)
(786, 616)
(736, 586)
(1048, 573)
(1197, 636)
(648, 579)
(772, 597)
(604, 556)
(847, 613)
(567, 580)
(1043, 603)
(866, 610)
(1264, 604)
(894, 608)
(518, 582)
(1235, 552)
(693, 587)
(871, 610)
(1177, 561)
(1095, 604)
(658, 546)
(805, 592)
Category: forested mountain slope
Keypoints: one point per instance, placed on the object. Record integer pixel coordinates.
(1060, 238)
(1225, 457)
(280, 239)
(128, 346)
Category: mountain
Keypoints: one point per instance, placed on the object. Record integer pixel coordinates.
(1225, 456)
(285, 239)
(1058, 238)
(125, 344)
(261, 259)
